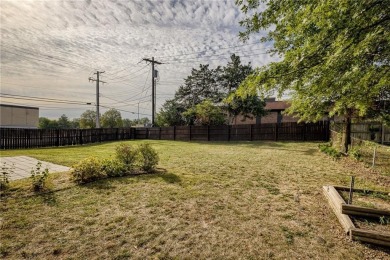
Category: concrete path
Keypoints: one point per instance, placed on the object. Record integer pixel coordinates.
(24, 164)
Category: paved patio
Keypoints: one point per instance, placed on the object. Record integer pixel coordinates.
(24, 164)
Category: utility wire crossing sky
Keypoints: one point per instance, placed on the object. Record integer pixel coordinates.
(49, 49)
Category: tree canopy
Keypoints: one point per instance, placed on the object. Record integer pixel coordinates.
(205, 85)
(206, 113)
(112, 118)
(334, 54)
(63, 122)
(88, 119)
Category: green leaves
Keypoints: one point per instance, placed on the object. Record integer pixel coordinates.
(335, 54)
(112, 118)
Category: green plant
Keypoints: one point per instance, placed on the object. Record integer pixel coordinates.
(88, 170)
(355, 153)
(329, 150)
(126, 154)
(39, 177)
(114, 168)
(148, 157)
(384, 220)
(4, 178)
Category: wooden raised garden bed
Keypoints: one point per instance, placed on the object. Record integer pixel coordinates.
(344, 212)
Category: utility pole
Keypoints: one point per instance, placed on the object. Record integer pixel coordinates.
(97, 96)
(138, 112)
(152, 61)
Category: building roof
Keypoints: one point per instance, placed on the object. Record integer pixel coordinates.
(277, 105)
(6, 105)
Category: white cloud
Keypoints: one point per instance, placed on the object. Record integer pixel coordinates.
(50, 48)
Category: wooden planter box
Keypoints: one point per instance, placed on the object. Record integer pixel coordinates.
(343, 211)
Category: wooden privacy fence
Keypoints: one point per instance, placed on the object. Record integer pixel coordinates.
(12, 138)
(371, 131)
(275, 132)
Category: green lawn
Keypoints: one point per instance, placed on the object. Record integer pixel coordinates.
(208, 200)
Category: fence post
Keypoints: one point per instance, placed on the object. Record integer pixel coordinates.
(57, 137)
(208, 132)
(28, 139)
(81, 136)
(304, 132)
(174, 132)
(147, 133)
(276, 132)
(190, 132)
(251, 132)
(229, 126)
(159, 134)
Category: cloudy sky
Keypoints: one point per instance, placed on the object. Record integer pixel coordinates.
(49, 49)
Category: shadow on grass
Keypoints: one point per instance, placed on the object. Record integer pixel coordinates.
(49, 198)
(170, 178)
(162, 174)
(232, 143)
(109, 183)
(104, 184)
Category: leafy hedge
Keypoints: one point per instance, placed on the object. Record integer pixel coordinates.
(329, 150)
(127, 160)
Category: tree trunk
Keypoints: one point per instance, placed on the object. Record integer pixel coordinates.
(347, 133)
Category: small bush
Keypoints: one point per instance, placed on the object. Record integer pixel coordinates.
(149, 157)
(114, 168)
(355, 153)
(126, 154)
(4, 178)
(329, 150)
(88, 170)
(38, 177)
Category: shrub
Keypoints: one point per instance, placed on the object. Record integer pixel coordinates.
(114, 168)
(88, 170)
(38, 177)
(148, 157)
(4, 178)
(126, 154)
(355, 153)
(329, 150)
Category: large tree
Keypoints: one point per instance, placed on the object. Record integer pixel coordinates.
(46, 123)
(171, 114)
(63, 122)
(206, 113)
(233, 74)
(249, 106)
(335, 54)
(112, 118)
(209, 84)
(203, 83)
(88, 119)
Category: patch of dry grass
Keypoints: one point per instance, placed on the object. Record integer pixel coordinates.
(209, 200)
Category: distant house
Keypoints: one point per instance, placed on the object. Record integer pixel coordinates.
(18, 116)
(275, 114)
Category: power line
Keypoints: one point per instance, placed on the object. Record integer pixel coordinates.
(41, 99)
(199, 52)
(128, 74)
(210, 56)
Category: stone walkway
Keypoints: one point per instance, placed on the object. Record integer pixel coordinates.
(24, 164)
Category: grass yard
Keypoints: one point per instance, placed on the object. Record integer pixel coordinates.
(222, 200)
